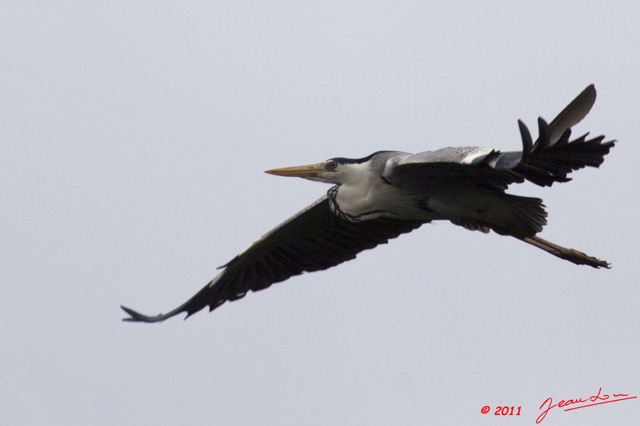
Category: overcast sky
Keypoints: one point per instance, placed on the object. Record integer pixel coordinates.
(134, 136)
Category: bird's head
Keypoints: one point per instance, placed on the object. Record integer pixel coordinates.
(334, 171)
(342, 171)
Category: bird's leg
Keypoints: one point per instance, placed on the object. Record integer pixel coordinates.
(569, 254)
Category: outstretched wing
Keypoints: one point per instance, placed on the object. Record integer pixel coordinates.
(312, 240)
(550, 159)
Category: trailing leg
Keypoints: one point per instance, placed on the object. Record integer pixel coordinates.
(569, 254)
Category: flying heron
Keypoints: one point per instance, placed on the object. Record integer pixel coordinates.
(388, 193)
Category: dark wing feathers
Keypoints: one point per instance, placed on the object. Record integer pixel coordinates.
(553, 156)
(550, 159)
(546, 166)
(574, 113)
(313, 240)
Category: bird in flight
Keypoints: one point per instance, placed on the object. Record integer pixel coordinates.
(389, 193)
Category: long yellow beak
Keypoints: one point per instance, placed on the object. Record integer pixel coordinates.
(310, 170)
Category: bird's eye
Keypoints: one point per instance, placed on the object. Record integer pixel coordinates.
(331, 165)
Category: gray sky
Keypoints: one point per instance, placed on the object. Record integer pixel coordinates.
(134, 139)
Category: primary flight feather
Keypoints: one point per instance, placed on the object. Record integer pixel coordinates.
(388, 193)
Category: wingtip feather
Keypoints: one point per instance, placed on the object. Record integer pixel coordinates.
(135, 316)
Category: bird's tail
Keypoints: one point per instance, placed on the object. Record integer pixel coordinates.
(506, 214)
(572, 255)
(516, 215)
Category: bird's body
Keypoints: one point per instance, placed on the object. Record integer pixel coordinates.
(380, 188)
(388, 193)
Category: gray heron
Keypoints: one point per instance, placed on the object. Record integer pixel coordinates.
(389, 193)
